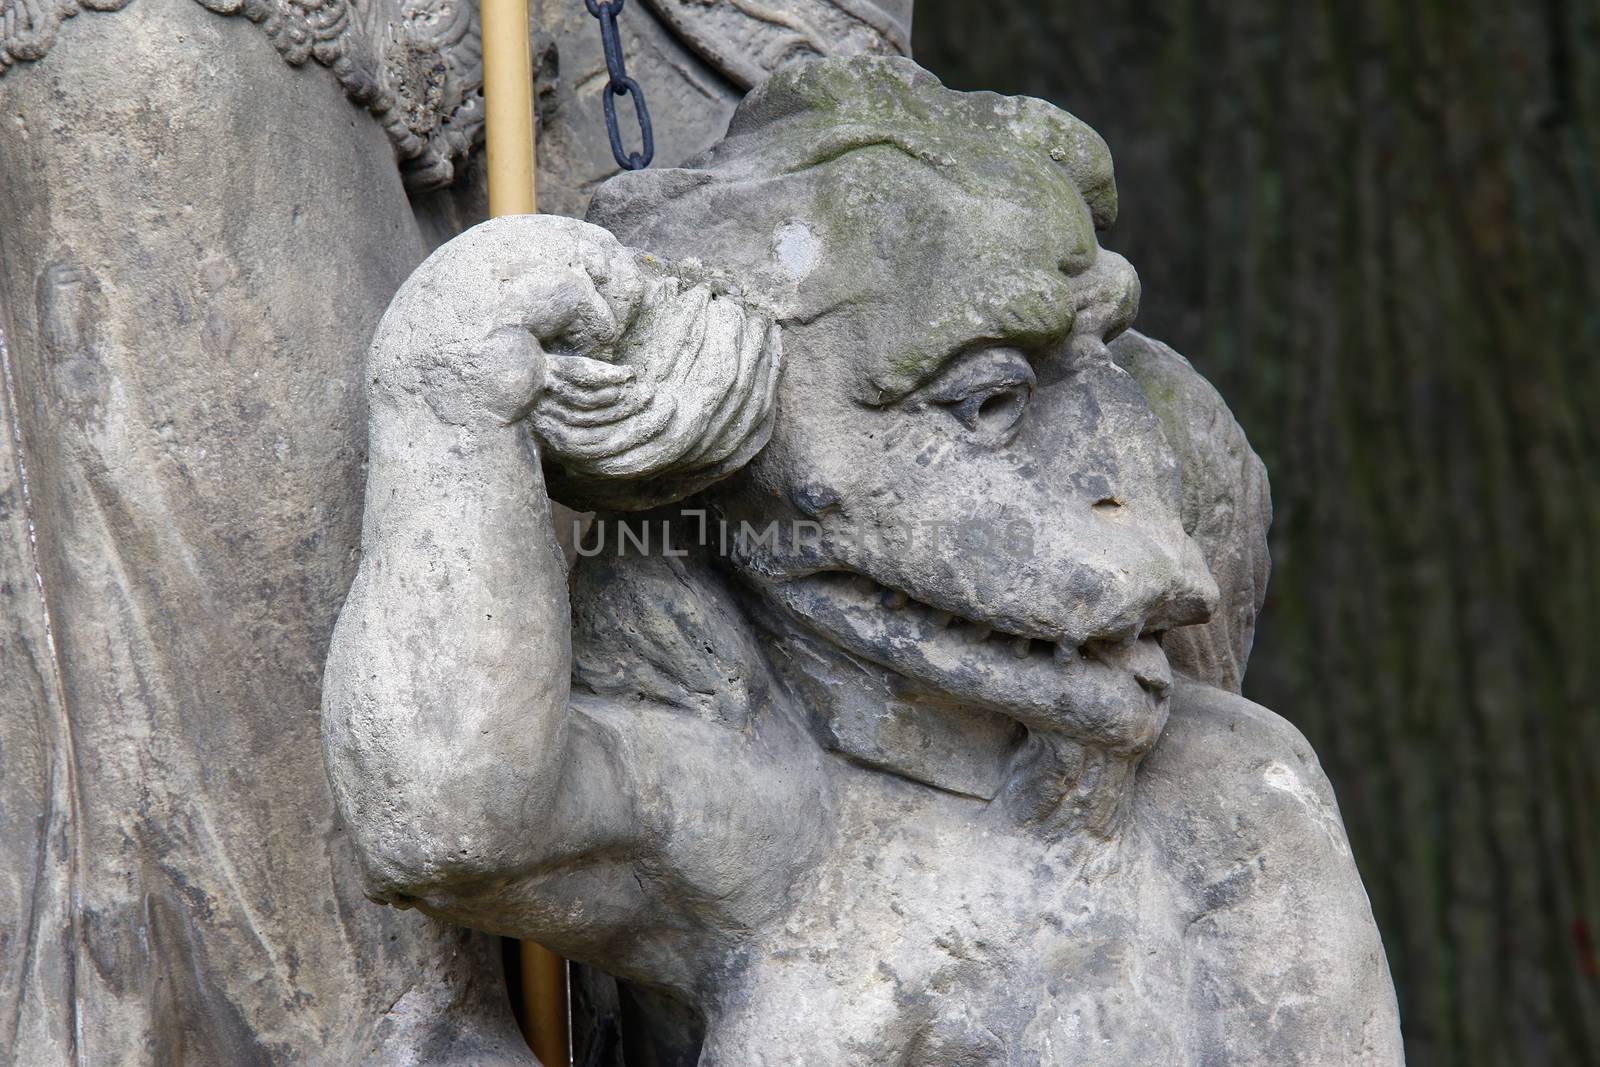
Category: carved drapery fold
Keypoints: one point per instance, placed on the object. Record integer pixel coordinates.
(416, 65)
(744, 40)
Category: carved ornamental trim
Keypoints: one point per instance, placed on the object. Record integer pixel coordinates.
(416, 65)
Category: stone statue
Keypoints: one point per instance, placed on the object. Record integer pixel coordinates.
(891, 718)
(204, 209)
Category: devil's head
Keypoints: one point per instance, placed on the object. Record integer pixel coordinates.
(987, 505)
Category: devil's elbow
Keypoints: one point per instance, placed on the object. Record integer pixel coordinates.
(417, 855)
(430, 806)
(394, 874)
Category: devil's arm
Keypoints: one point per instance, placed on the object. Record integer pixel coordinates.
(470, 782)
(447, 727)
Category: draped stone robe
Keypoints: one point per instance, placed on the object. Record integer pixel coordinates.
(201, 219)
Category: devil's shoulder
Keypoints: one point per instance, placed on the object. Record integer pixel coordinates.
(1276, 921)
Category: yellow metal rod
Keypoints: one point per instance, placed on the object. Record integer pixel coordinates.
(544, 1000)
(508, 127)
(508, 106)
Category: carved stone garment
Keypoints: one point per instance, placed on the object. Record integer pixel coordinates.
(693, 60)
(184, 308)
(745, 41)
(416, 65)
(198, 235)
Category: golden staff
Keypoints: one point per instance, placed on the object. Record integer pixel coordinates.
(508, 106)
(544, 1004)
(508, 126)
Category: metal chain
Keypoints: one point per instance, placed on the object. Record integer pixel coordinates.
(619, 85)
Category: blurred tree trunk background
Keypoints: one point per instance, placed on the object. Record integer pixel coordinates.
(1376, 227)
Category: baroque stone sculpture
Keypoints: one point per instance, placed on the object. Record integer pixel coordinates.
(892, 716)
(204, 209)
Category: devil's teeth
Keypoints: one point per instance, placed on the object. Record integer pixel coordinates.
(975, 633)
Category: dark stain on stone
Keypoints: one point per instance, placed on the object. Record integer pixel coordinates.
(71, 306)
(192, 1021)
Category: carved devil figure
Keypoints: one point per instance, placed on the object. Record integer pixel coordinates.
(889, 715)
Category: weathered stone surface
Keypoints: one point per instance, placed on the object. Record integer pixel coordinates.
(177, 887)
(917, 784)
(1226, 506)
(694, 60)
(205, 210)
(417, 67)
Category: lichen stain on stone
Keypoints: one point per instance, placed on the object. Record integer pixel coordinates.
(796, 248)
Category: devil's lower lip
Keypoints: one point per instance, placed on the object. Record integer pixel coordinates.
(1043, 684)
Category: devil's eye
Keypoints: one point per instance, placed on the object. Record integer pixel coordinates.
(986, 390)
(994, 412)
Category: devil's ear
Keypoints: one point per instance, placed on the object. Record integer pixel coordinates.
(1227, 506)
(699, 404)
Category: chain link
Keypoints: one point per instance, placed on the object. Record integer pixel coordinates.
(621, 85)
